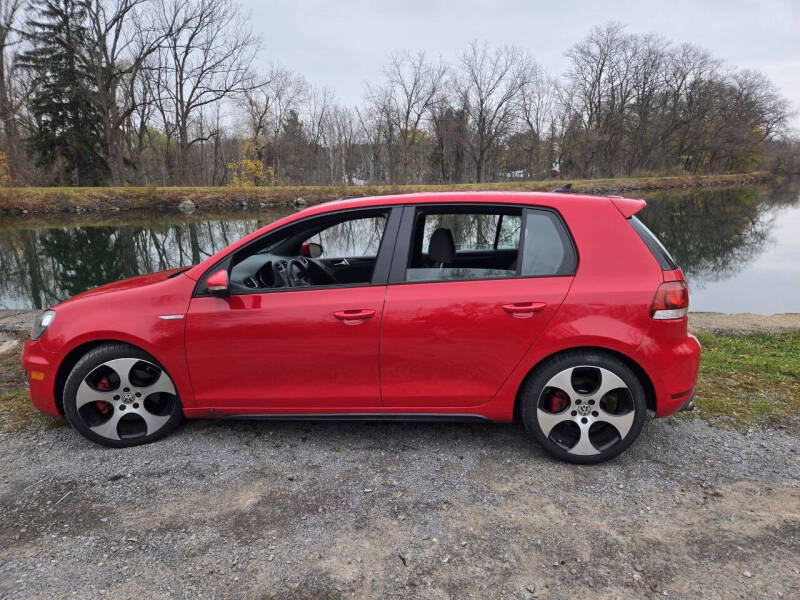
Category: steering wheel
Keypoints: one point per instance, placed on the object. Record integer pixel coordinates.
(297, 272)
(324, 269)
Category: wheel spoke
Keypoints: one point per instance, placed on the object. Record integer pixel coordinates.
(122, 366)
(162, 384)
(87, 394)
(109, 428)
(584, 446)
(563, 381)
(608, 381)
(549, 420)
(622, 423)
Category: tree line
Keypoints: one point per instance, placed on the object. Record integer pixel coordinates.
(172, 92)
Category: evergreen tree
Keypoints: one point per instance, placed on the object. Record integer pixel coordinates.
(69, 134)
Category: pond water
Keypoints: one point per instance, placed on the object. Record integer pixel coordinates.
(739, 247)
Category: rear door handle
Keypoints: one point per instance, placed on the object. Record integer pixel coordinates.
(523, 310)
(354, 317)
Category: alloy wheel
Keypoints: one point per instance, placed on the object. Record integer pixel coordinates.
(126, 399)
(585, 410)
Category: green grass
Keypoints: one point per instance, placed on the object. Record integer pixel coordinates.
(746, 380)
(750, 379)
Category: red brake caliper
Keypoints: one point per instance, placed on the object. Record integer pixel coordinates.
(558, 401)
(103, 385)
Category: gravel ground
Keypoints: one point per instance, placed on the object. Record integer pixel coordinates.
(229, 509)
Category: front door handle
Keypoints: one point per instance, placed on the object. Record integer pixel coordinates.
(523, 310)
(354, 317)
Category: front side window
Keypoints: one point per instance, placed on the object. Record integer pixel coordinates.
(351, 239)
(326, 251)
(463, 243)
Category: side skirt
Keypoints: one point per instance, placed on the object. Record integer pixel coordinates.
(413, 417)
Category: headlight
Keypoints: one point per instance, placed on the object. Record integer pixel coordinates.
(42, 322)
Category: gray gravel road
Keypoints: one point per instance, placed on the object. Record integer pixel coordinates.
(388, 510)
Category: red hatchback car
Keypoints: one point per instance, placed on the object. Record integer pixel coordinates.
(562, 310)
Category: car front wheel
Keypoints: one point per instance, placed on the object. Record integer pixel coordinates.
(118, 395)
(584, 407)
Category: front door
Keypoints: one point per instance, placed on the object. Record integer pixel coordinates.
(294, 335)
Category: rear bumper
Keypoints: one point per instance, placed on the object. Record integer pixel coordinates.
(41, 368)
(672, 364)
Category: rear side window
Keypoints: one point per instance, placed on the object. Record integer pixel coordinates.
(547, 250)
(465, 243)
(655, 246)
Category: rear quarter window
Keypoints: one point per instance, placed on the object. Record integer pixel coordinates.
(659, 252)
(548, 249)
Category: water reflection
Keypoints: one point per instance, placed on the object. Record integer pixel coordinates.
(715, 235)
(42, 266)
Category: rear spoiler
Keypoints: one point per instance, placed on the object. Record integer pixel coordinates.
(627, 206)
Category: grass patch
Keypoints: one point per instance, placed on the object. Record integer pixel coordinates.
(751, 379)
(17, 413)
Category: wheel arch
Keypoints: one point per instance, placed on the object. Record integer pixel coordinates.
(641, 374)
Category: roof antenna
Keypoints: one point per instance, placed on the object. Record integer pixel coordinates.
(564, 189)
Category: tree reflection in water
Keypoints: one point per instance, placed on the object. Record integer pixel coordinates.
(712, 234)
(40, 267)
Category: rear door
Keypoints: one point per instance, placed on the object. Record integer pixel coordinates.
(452, 333)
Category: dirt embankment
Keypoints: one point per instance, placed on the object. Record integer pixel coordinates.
(108, 199)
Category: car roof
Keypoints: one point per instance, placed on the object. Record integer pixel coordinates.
(452, 197)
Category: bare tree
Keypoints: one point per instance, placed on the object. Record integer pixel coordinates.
(124, 35)
(203, 61)
(267, 103)
(411, 83)
(488, 82)
(537, 96)
(9, 104)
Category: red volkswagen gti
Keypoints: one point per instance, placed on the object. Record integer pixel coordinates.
(562, 310)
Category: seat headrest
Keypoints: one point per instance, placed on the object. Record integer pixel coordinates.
(442, 248)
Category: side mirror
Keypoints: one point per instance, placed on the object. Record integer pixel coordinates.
(312, 250)
(217, 284)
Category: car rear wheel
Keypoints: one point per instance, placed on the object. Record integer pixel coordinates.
(118, 395)
(584, 407)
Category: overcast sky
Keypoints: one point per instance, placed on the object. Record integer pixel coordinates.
(342, 44)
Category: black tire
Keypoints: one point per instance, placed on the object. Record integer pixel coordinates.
(172, 410)
(556, 443)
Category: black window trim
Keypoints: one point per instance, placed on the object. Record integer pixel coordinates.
(655, 245)
(380, 273)
(403, 242)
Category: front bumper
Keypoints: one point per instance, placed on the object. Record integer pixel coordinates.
(42, 368)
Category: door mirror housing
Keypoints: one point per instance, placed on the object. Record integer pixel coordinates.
(217, 284)
(312, 250)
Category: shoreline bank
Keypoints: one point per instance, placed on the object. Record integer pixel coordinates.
(33, 201)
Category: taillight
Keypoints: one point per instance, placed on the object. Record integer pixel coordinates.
(671, 301)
